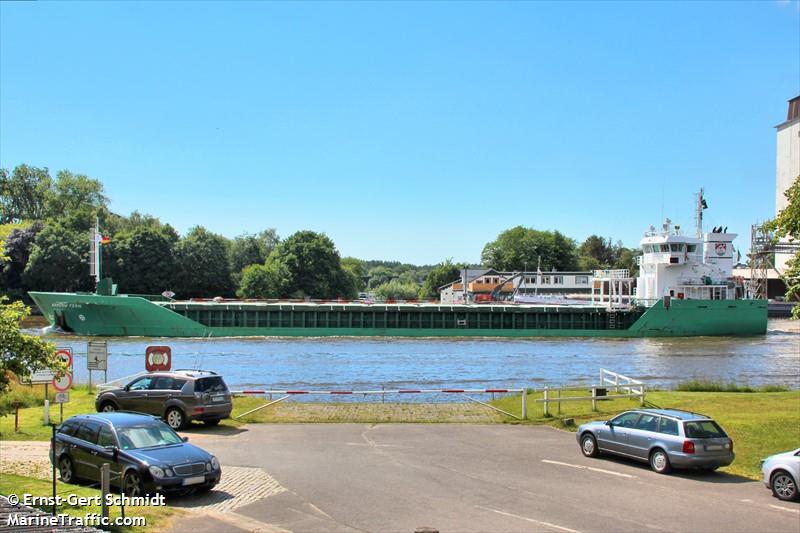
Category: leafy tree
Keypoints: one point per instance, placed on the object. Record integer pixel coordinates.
(21, 354)
(380, 275)
(441, 274)
(519, 248)
(142, 261)
(264, 281)
(313, 265)
(397, 290)
(787, 224)
(202, 265)
(17, 250)
(75, 201)
(252, 249)
(23, 193)
(596, 252)
(355, 269)
(58, 261)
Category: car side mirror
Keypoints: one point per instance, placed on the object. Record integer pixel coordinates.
(609, 423)
(111, 451)
(185, 439)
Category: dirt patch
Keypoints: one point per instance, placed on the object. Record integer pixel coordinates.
(375, 413)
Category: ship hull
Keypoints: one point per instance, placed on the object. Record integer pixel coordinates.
(97, 315)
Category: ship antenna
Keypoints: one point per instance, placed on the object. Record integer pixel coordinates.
(700, 205)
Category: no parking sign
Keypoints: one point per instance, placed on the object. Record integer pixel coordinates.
(64, 383)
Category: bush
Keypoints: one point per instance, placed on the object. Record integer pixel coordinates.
(706, 385)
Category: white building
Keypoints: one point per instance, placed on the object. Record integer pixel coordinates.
(787, 164)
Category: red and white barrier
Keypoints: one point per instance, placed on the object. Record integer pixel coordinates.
(285, 394)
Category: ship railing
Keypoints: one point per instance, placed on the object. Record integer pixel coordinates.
(618, 273)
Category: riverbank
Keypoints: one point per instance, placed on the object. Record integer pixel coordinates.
(760, 423)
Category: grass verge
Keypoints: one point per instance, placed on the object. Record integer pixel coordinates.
(156, 517)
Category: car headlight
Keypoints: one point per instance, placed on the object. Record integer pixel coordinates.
(156, 472)
(214, 462)
(168, 472)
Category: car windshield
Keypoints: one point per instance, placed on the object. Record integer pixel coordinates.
(146, 436)
(706, 429)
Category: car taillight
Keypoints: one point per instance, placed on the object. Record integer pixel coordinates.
(199, 409)
(688, 446)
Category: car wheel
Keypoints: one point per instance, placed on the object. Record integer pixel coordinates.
(66, 470)
(212, 422)
(108, 407)
(659, 461)
(132, 484)
(175, 418)
(783, 486)
(589, 445)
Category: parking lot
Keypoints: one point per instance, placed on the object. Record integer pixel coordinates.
(399, 477)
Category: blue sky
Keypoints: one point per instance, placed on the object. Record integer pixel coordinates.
(409, 131)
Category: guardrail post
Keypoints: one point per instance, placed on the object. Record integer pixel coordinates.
(616, 383)
(594, 398)
(546, 412)
(641, 389)
(524, 404)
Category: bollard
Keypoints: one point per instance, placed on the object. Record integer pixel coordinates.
(546, 394)
(46, 412)
(105, 479)
(16, 416)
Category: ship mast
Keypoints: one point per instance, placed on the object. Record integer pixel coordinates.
(700, 205)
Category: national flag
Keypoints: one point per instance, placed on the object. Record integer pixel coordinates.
(105, 239)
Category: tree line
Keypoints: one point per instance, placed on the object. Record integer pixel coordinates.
(46, 222)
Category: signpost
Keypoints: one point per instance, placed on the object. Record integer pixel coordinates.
(64, 383)
(158, 358)
(97, 358)
(62, 397)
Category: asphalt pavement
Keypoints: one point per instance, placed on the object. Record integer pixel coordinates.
(479, 478)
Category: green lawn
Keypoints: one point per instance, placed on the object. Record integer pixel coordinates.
(157, 517)
(760, 423)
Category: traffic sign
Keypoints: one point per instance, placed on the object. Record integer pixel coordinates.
(97, 355)
(62, 397)
(41, 376)
(158, 358)
(64, 382)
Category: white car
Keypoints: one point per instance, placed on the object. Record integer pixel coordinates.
(782, 473)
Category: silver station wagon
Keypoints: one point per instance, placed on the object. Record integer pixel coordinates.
(665, 438)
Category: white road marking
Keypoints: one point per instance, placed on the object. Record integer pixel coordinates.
(593, 469)
(778, 507)
(527, 519)
(746, 501)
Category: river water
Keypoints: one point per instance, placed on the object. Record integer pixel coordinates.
(373, 363)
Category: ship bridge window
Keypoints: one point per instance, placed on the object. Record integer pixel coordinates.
(691, 248)
(665, 247)
(676, 247)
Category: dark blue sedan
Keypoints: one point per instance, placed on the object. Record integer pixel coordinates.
(144, 454)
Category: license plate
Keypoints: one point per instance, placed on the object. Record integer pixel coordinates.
(218, 398)
(194, 480)
(713, 447)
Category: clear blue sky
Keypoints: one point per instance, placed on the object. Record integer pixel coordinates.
(410, 131)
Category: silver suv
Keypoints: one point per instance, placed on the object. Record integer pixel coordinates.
(666, 438)
(178, 396)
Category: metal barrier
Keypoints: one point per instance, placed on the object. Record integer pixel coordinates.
(618, 381)
(286, 394)
(595, 395)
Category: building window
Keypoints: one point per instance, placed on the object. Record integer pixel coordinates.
(558, 280)
(545, 280)
(581, 280)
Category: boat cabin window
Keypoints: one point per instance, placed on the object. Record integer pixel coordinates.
(691, 248)
(675, 247)
(665, 247)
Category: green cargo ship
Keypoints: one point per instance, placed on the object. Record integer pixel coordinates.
(121, 315)
(684, 288)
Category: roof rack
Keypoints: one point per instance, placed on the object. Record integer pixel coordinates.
(193, 370)
(684, 411)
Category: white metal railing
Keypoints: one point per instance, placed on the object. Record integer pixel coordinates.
(631, 388)
(619, 381)
(619, 273)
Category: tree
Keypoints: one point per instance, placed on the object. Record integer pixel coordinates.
(142, 261)
(787, 224)
(202, 267)
(441, 274)
(58, 261)
(23, 193)
(313, 265)
(519, 248)
(380, 275)
(252, 249)
(75, 200)
(17, 250)
(264, 281)
(397, 290)
(21, 354)
(355, 268)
